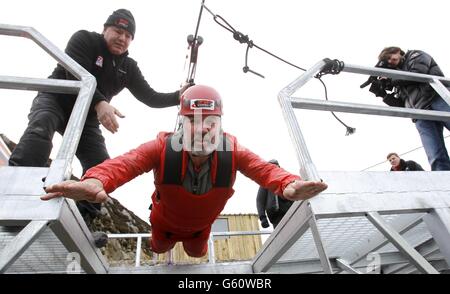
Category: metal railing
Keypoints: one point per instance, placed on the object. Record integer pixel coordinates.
(211, 251)
(303, 215)
(66, 222)
(287, 103)
(60, 168)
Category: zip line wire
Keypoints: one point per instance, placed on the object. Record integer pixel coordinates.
(333, 66)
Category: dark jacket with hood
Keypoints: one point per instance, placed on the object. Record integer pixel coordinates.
(409, 166)
(414, 94)
(113, 73)
(275, 206)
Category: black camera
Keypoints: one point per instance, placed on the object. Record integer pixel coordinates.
(384, 87)
(379, 85)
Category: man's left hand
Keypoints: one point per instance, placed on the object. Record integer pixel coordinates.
(106, 115)
(302, 190)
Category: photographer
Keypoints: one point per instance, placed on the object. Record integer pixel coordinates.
(415, 95)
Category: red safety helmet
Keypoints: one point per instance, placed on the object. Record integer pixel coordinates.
(203, 98)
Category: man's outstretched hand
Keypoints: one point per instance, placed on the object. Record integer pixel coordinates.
(302, 190)
(106, 115)
(89, 189)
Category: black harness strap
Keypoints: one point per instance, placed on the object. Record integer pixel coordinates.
(224, 165)
(172, 164)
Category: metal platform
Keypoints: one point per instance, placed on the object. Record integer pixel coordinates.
(217, 268)
(38, 236)
(363, 215)
(42, 236)
(371, 222)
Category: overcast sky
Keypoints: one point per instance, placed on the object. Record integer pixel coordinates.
(302, 32)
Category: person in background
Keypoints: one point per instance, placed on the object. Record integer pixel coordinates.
(270, 205)
(399, 164)
(418, 95)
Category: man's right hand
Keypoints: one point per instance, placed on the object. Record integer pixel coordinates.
(302, 190)
(106, 115)
(89, 189)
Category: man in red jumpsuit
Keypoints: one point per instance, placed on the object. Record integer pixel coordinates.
(194, 168)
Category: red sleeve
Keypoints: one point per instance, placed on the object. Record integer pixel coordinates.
(115, 172)
(267, 175)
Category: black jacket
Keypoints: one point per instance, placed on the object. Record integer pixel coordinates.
(414, 94)
(409, 166)
(112, 72)
(275, 207)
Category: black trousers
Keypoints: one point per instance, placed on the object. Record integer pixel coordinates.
(46, 117)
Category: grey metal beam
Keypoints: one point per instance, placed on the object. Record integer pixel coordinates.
(385, 182)
(308, 266)
(380, 241)
(307, 169)
(302, 79)
(381, 191)
(427, 249)
(358, 108)
(313, 266)
(12, 179)
(241, 233)
(20, 202)
(388, 203)
(439, 265)
(401, 244)
(344, 265)
(441, 90)
(20, 243)
(293, 225)
(72, 231)
(33, 84)
(324, 259)
(61, 166)
(62, 58)
(438, 223)
(392, 73)
(217, 268)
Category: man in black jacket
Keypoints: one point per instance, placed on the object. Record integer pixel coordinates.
(105, 56)
(399, 164)
(268, 203)
(420, 96)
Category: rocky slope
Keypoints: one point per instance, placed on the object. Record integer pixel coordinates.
(116, 219)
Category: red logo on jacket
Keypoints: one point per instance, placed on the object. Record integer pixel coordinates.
(99, 61)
